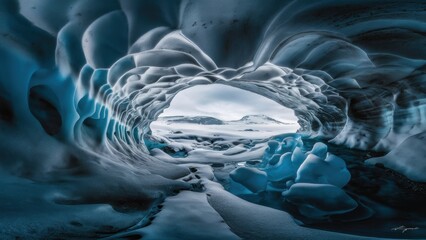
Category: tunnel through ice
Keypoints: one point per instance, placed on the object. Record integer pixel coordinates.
(81, 82)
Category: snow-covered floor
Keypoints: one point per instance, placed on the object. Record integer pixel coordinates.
(217, 214)
(234, 147)
(206, 203)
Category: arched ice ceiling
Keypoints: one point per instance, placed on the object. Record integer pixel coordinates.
(100, 73)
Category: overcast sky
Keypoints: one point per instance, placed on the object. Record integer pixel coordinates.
(226, 103)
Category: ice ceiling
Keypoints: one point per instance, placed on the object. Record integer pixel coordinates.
(86, 78)
(354, 76)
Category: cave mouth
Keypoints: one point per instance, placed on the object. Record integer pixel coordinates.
(222, 119)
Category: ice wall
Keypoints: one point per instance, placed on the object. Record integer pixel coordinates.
(92, 75)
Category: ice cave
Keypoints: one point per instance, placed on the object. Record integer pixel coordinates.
(87, 151)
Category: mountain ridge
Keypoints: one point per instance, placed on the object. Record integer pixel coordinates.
(208, 120)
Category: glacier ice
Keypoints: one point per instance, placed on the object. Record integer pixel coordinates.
(319, 150)
(80, 83)
(408, 158)
(319, 200)
(283, 169)
(251, 178)
(313, 179)
(327, 170)
(85, 42)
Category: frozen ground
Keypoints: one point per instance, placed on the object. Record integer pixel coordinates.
(217, 214)
(213, 151)
(205, 203)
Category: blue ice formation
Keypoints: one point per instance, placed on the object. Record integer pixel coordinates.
(121, 65)
(408, 158)
(312, 180)
(328, 169)
(80, 82)
(95, 75)
(319, 200)
(252, 178)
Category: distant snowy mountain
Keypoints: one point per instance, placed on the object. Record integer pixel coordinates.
(256, 119)
(205, 120)
(202, 120)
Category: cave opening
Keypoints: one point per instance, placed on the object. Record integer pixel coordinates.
(222, 119)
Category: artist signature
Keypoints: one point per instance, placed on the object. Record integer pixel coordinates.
(404, 229)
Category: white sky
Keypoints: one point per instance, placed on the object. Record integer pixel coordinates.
(226, 103)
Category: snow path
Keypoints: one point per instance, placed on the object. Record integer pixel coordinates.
(218, 214)
(188, 216)
(251, 221)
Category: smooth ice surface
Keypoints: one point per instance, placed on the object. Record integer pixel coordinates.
(313, 179)
(319, 150)
(319, 200)
(284, 169)
(184, 217)
(327, 170)
(33, 210)
(252, 221)
(251, 178)
(409, 158)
